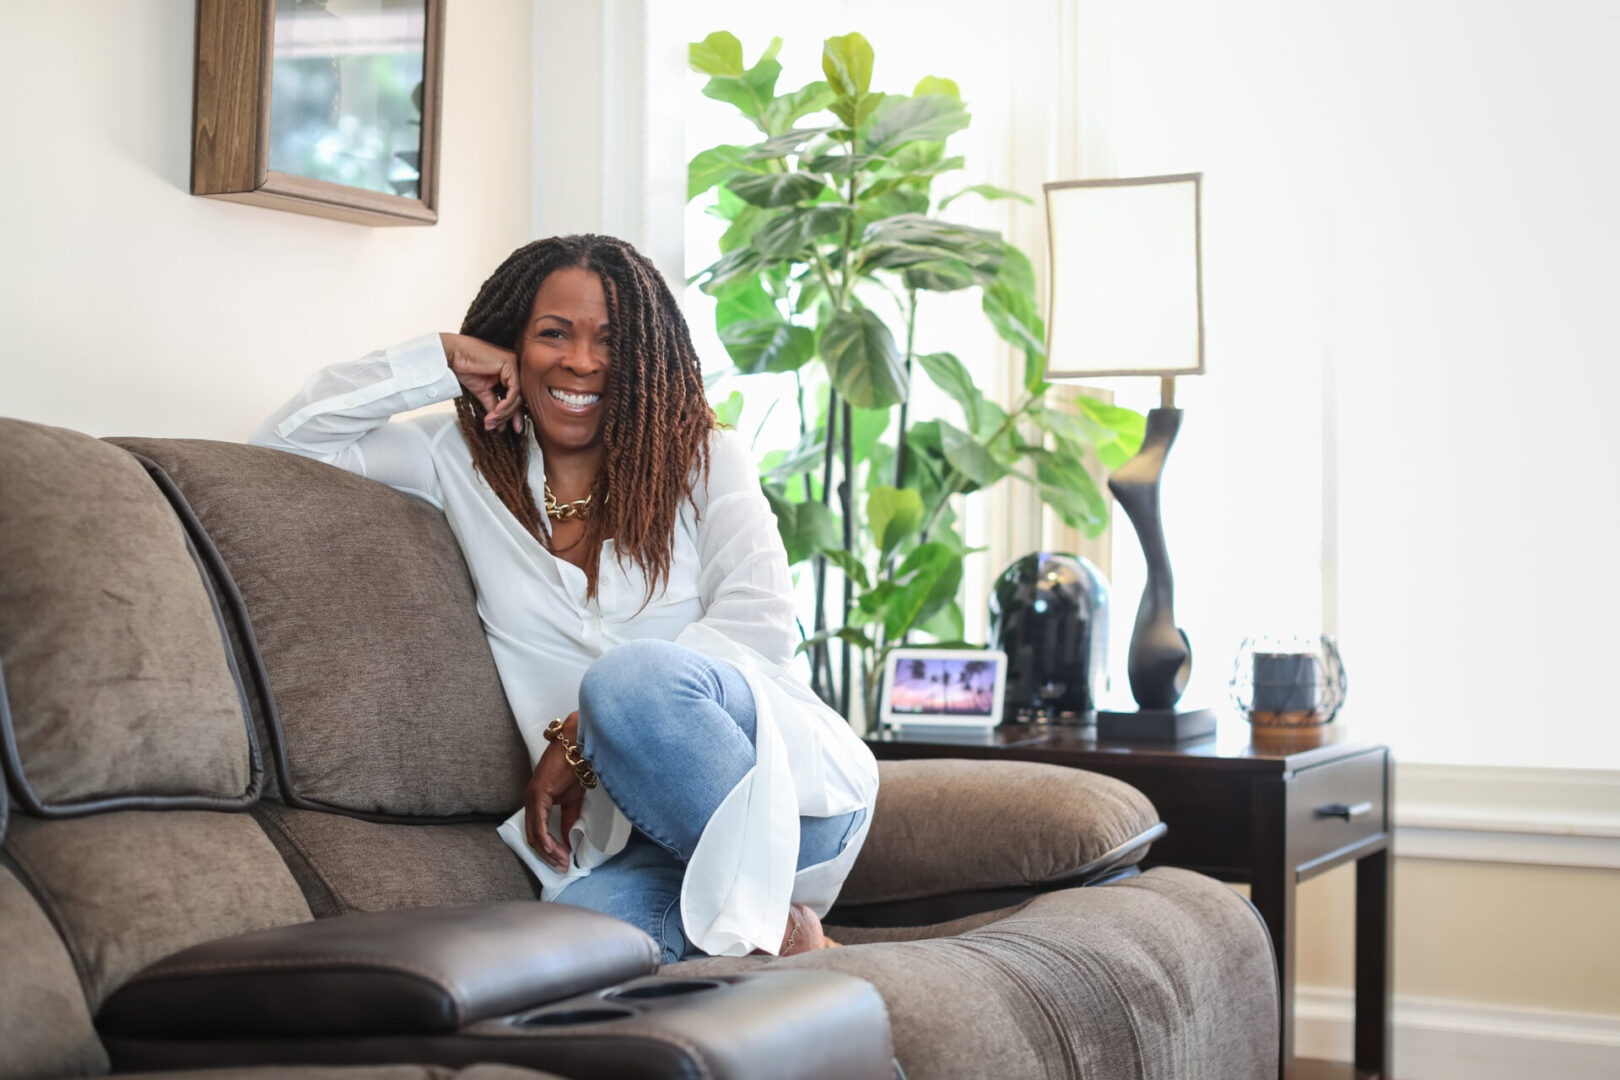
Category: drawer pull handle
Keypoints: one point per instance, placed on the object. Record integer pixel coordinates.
(1340, 810)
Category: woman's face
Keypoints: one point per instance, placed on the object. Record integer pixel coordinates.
(563, 360)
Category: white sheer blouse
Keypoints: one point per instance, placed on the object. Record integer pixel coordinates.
(728, 595)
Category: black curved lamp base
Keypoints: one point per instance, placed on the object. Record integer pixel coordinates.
(1155, 725)
(1160, 661)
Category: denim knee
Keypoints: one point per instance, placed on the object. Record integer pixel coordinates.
(620, 677)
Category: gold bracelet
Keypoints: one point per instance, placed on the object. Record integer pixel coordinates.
(572, 754)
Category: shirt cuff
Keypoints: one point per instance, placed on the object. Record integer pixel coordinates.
(421, 372)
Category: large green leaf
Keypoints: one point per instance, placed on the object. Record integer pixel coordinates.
(939, 275)
(810, 98)
(926, 467)
(805, 527)
(788, 142)
(927, 580)
(874, 210)
(946, 624)
(988, 191)
(1017, 271)
(893, 514)
(1009, 304)
(742, 300)
(776, 189)
(806, 456)
(908, 239)
(751, 92)
(1127, 426)
(727, 412)
(1069, 490)
(744, 224)
(856, 111)
(757, 345)
(840, 164)
(929, 84)
(844, 633)
(949, 374)
(714, 166)
(718, 54)
(969, 456)
(862, 360)
(929, 118)
(847, 62)
(732, 266)
(851, 566)
(866, 427)
(791, 232)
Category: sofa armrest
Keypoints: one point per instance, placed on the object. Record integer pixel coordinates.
(953, 826)
(417, 970)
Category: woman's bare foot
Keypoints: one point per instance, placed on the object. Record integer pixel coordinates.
(803, 933)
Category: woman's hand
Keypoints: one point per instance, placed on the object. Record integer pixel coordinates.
(482, 368)
(553, 784)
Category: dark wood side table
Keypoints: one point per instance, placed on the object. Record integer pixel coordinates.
(1269, 812)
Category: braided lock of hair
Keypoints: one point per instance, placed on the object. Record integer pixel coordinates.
(655, 433)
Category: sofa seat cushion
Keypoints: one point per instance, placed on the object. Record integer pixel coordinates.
(127, 889)
(346, 865)
(44, 1023)
(951, 826)
(386, 702)
(1164, 976)
(116, 689)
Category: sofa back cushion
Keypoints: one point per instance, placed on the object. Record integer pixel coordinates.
(44, 1023)
(386, 702)
(116, 689)
(127, 889)
(346, 865)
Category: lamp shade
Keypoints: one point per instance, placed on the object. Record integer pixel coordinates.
(1126, 277)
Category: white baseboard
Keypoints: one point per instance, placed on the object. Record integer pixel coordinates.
(1453, 1040)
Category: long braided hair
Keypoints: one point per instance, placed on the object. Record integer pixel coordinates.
(656, 430)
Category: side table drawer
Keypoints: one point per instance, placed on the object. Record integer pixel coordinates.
(1334, 807)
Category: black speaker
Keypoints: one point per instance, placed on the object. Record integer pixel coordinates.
(1049, 614)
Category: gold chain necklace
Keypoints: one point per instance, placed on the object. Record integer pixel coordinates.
(579, 508)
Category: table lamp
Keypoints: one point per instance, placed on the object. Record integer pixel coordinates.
(1127, 299)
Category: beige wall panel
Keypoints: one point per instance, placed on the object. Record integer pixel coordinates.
(1542, 937)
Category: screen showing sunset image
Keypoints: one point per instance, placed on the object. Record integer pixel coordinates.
(951, 687)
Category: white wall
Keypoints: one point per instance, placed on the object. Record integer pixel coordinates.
(133, 307)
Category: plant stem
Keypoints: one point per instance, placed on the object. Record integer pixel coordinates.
(821, 658)
(911, 339)
(846, 491)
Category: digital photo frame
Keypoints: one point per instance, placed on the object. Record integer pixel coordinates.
(944, 688)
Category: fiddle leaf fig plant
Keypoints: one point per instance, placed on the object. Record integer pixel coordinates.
(833, 230)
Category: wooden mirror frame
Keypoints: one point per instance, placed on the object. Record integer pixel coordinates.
(230, 143)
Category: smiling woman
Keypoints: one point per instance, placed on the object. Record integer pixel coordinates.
(635, 593)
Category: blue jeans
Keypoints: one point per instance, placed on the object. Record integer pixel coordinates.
(670, 733)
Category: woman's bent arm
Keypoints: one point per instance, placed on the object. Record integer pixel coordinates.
(341, 415)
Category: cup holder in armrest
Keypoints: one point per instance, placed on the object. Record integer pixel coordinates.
(568, 1017)
(661, 988)
(600, 1006)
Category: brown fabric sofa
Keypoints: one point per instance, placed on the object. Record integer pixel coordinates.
(254, 749)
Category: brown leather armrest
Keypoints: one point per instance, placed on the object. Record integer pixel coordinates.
(417, 970)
